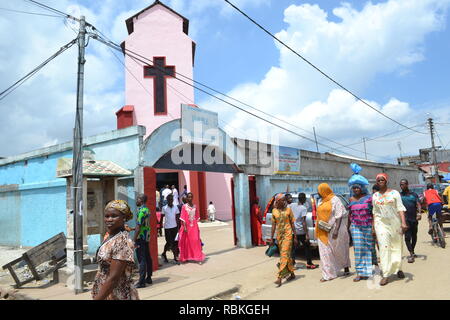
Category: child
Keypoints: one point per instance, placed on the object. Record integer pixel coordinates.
(211, 211)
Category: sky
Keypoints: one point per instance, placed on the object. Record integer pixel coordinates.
(392, 53)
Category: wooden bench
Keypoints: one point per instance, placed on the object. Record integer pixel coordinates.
(53, 250)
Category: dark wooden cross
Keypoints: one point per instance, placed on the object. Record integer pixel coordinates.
(159, 72)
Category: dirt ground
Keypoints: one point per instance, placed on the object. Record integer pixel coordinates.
(247, 274)
(427, 278)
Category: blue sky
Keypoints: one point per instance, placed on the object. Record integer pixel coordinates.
(394, 53)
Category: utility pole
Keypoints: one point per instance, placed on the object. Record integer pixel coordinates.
(315, 138)
(365, 151)
(77, 164)
(399, 144)
(433, 150)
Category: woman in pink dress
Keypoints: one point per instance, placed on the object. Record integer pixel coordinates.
(189, 241)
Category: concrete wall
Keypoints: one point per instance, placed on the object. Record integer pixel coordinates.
(219, 192)
(33, 200)
(328, 165)
(317, 168)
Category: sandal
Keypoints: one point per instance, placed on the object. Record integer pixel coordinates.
(163, 255)
(400, 274)
(291, 277)
(323, 280)
(312, 266)
(278, 282)
(358, 278)
(410, 259)
(384, 281)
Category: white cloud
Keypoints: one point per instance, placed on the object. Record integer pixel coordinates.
(42, 111)
(381, 38)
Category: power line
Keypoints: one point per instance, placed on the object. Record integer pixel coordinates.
(133, 55)
(178, 93)
(33, 13)
(440, 140)
(384, 135)
(45, 7)
(317, 68)
(130, 54)
(22, 80)
(272, 123)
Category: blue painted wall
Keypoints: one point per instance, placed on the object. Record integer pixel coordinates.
(43, 214)
(10, 224)
(33, 200)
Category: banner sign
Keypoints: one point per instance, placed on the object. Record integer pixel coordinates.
(288, 161)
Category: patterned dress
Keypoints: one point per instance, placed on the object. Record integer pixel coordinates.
(335, 256)
(361, 230)
(388, 225)
(119, 247)
(284, 221)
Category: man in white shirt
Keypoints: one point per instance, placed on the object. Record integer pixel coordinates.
(175, 196)
(170, 217)
(301, 231)
(166, 191)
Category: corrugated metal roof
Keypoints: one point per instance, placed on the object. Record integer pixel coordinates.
(92, 168)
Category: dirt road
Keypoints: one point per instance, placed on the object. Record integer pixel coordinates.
(427, 278)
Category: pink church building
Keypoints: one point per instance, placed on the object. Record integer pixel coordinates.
(159, 40)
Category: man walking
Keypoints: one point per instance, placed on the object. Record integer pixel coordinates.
(301, 231)
(171, 216)
(141, 240)
(165, 193)
(412, 204)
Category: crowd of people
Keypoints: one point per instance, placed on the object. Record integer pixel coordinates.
(381, 220)
(115, 255)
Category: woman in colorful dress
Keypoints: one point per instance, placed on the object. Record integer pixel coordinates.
(361, 228)
(115, 257)
(283, 222)
(189, 243)
(390, 225)
(333, 244)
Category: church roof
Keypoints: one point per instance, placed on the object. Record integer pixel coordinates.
(130, 25)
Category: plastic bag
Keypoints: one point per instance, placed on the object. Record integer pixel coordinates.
(356, 178)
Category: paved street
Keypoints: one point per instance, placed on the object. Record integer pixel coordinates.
(249, 274)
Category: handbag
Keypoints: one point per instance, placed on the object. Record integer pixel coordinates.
(325, 226)
(271, 250)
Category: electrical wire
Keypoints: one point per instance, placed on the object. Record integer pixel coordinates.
(248, 105)
(127, 52)
(440, 140)
(140, 58)
(204, 91)
(384, 135)
(33, 13)
(22, 80)
(178, 93)
(318, 69)
(43, 6)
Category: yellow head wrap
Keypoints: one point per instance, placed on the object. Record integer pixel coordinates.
(121, 206)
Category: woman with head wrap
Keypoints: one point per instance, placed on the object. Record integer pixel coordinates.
(361, 226)
(332, 234)
(115, 257)
(390, 225)
(283, 222)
